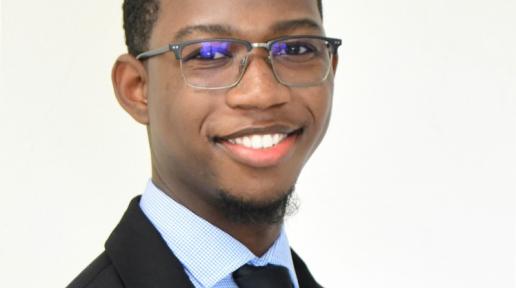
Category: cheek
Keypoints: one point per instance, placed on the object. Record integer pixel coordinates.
(318, 101)
(179, 121)
(165, 105)
(168, 100)
(177, 113)
(178, 147)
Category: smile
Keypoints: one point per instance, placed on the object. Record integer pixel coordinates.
(259, 141)
(260, 150)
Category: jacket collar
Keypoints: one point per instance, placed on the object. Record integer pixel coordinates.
(305, 279)
(141, 256)
(143, 259)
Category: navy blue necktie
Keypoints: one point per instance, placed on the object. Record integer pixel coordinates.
(270, 276)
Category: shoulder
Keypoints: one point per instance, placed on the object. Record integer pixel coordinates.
(304, 277)
(99, 274)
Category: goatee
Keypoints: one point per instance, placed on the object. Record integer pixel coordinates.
(240, 211)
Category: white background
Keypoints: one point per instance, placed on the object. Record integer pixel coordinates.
(414, 185)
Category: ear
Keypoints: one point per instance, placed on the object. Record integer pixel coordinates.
(335, 62)
(130, 84)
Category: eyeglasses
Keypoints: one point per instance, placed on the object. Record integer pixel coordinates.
(296, 61)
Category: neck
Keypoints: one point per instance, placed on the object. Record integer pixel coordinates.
(257, 237)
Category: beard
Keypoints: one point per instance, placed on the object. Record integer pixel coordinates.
(240, 211)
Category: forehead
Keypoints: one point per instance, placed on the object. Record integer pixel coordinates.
(254, 20)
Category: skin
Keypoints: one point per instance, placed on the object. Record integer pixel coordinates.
(182, 121)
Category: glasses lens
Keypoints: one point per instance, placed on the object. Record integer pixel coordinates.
(301, 61)
(212, 64)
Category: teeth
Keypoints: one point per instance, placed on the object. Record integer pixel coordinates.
(256, 141)
(276, 138)
(246, 141)
(267, 141)
(259, 141)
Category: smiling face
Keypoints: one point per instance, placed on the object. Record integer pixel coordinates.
(249, 141)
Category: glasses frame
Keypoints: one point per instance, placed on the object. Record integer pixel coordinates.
(177, 49)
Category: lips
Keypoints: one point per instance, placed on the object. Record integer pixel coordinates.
(260, 147)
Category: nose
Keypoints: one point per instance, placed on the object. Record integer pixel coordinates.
(258, 88)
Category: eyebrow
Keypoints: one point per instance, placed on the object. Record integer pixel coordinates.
(290, 25)
(215, 29)
(277, 28)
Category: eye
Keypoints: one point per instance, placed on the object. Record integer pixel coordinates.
(297, 49)
(292, 48)
(206, 51)
(211, 54)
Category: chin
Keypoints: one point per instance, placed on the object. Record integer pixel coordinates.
(259, 191)
(266, 208)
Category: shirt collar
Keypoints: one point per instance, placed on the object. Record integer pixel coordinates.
(206, 251)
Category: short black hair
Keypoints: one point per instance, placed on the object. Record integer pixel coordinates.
(139, 19)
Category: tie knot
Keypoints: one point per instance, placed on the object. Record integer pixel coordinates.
(270, 276)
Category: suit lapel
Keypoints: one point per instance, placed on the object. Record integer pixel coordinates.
(143, 259)
(305, 279)
(141, 256)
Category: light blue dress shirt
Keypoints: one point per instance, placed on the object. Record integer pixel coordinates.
(208, 254)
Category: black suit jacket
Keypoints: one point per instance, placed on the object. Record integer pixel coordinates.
(137, 257)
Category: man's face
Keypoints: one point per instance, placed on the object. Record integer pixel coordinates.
(190, 128)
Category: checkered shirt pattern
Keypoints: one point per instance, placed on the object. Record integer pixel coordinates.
(208, 254)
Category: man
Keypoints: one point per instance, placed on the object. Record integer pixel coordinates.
(234, 107)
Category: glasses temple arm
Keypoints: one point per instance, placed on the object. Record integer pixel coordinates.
(152, 53)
